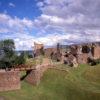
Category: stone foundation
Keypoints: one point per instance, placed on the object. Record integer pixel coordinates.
(9, 80)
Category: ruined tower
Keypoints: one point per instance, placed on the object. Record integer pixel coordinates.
(38, 49)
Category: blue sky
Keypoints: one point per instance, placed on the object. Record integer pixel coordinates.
(20, 8)
(49, 21)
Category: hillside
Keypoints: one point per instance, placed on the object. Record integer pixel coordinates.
(80, 83)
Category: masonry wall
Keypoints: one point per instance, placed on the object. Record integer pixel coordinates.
(96, 52)
(9, 80)
(82, 58)
(35, 75)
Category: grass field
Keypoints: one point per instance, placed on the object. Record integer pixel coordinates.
(82, 83)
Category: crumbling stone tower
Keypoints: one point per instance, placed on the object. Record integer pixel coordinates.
(38, 49)
(83, 53)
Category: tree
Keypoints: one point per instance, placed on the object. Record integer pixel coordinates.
(8, 57)
(7, 52)
(20, 59)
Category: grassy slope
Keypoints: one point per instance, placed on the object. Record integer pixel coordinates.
(76, 84)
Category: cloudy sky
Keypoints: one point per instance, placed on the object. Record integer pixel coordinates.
(49, 21)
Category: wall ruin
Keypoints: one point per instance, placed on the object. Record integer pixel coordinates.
(38, 49)
(82, 58)
(96, 53)
(9, 80)
(35, 75)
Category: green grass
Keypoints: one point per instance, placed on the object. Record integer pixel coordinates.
(82, 83)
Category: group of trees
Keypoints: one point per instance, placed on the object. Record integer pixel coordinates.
(8, 56)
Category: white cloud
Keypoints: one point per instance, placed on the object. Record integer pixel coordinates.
(65, 21)
(16, 28)
(70, 17)
(14, 24)
(78, 13)
(12, 4)
(40, 4)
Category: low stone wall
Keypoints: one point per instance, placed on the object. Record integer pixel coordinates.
(34, 76)
(9, 80)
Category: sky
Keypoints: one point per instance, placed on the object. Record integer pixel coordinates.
(49, 22)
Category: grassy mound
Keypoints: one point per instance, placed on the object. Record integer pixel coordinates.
(93, 74)
(60, 85)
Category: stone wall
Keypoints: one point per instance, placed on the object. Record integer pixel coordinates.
(82, 58)
(9, 80)
(96, 53)
(49, 51)
(34, 76)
